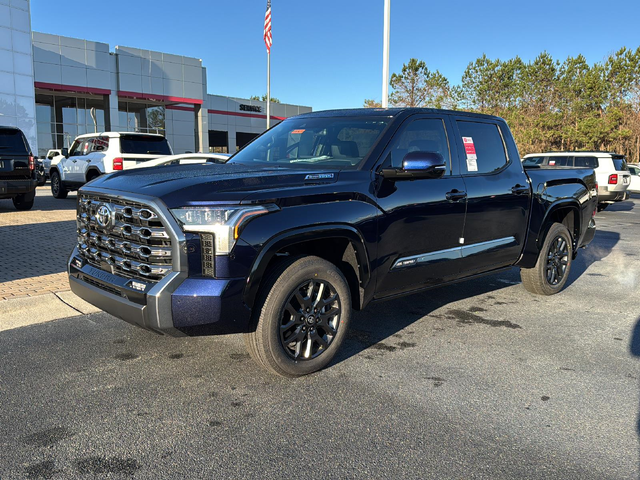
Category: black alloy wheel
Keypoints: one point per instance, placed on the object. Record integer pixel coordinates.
(557, 260)
(301, 316)
(310, 320)
(551, 272)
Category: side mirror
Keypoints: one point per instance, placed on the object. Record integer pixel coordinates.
(65, 152)
(417, 165)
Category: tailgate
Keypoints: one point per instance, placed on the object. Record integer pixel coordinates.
(14, 167)
(130, 160)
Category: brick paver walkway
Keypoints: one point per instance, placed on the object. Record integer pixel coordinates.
(35, 245)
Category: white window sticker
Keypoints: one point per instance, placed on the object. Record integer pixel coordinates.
(472, 163)
(470, 150)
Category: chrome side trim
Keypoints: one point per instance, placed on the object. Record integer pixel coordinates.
(453, 253)
(482, 247)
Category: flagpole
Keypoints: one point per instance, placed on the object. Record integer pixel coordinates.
(268, 89)
(385, 54)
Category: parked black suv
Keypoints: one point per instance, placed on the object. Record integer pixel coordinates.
(322, 214)
(17, 168)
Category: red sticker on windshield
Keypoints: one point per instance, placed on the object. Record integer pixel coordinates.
(552, 162)
(297, 131)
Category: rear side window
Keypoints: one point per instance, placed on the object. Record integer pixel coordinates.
(486, 141)
(559, 161)
(533, 161)
(99, 144)
(12, 142)
(589, 162)
(619, 163)
(144, 144)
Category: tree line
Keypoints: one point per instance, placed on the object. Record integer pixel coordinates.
(549, 105)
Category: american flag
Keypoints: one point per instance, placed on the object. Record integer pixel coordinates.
(268, 40)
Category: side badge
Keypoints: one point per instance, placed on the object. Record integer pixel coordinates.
(319, 176)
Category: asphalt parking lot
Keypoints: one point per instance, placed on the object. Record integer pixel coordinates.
(475, 380)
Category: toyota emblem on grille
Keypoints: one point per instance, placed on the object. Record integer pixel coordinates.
(103, 216)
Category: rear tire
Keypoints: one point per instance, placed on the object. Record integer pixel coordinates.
(57, 187)
(551, 272)
(25, 201)
(301, 317)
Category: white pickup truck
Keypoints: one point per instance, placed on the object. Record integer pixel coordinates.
(93, 154)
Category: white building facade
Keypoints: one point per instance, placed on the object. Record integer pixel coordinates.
(55, 88)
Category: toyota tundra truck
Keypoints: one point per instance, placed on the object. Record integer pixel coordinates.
(321, 215)
(18, 179)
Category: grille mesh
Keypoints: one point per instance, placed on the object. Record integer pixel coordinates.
(123, 238)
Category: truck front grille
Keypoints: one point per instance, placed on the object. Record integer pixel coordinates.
(123, 238)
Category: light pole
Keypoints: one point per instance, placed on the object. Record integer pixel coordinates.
(385, 54)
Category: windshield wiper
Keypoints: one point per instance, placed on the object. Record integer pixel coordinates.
(154, 152)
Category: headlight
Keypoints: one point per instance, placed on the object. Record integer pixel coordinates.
(223, 222)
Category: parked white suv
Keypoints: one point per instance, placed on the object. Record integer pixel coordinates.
(53, 158)
(612, 173)
(93, 154)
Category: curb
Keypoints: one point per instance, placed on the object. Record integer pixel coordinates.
(21, 312)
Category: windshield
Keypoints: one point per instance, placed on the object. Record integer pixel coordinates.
(319, 142)
(144, 144)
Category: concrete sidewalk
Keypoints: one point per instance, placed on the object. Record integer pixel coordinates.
(20, 312)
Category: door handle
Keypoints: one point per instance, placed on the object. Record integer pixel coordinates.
(519, 189)
(455, 195)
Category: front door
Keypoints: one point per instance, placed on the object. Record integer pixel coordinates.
(498, 195)
(422, 220)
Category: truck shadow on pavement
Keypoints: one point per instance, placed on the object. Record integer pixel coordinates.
(600, 248)
(378, 326)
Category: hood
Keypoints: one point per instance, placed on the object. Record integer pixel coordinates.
(182, 185)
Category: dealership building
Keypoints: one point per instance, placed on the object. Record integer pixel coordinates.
(55, 88)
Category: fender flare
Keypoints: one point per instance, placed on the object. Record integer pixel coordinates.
(92, 169)
(554, 207)
(301, 235)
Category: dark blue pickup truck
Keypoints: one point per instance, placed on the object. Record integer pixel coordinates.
(323, 214)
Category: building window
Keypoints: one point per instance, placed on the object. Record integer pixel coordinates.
(61, 118)
(218, 141)
(141, 117)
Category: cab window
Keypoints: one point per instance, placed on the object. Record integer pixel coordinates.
(485, 140)
(424, 135)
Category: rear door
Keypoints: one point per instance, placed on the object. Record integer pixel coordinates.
(498, 195)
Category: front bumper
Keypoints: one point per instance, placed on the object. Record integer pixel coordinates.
(9, 188)
(175, 306)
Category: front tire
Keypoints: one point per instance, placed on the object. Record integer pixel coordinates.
(551, 272)
(57, 187)
(301, 317)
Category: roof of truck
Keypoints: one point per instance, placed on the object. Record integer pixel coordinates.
(389, 112)
(575, 152)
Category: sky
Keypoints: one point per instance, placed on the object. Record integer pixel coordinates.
(328, 53)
